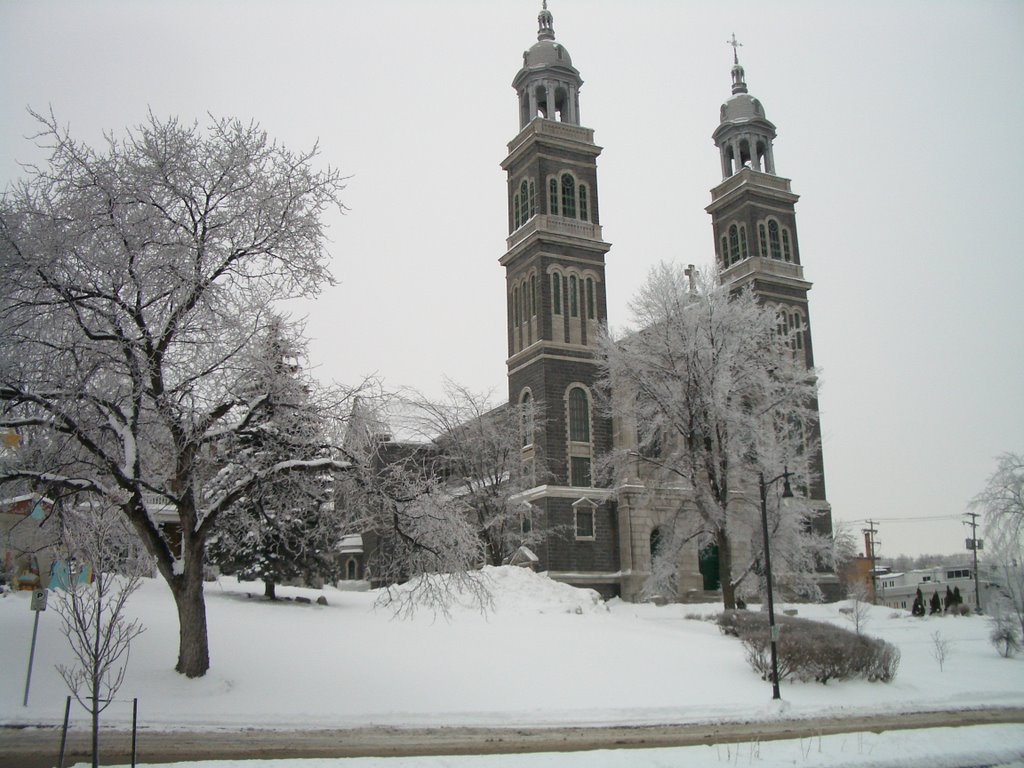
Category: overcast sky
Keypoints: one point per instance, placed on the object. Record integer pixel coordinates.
(901, 125)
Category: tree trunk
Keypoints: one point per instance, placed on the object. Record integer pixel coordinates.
(725, 569)
(269, 590)
(193, 645)
(96, 674)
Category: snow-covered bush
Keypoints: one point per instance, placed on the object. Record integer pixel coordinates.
(811, 650)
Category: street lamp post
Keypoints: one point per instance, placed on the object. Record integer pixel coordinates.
(787, 493)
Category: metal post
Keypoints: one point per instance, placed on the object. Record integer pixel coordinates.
(64, 733)
(135, 726)
(768, 584)
(31, 656)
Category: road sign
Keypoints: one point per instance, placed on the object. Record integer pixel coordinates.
(38, 600)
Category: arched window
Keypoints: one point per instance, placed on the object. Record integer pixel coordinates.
(526, 418)
(743, 243)
(590, 299)
(518, 217)
(584, 216)
(579, 415)
(773, 239)
(725, 252)
(797, 323)
(553, 197)
(583, 517)
(763, 238)
(573, 297)
(351, 569)
(785, 246)
(556, 293)
(568, 196)
(515, 304)
(524, 202)
(532, 207)
(578, 448)
(734, 245)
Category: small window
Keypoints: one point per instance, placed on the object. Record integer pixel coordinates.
(574, 307)
(568, 196)
(764, 241)
(590, 299)
(785, 246)
(515, 304)
(526, 521)
(743, 243)
(584, 522)
(556, 293)
(518, 219)
(533, 296)
(583, 203)
(553, 197)
(532, 207)
(725, 252)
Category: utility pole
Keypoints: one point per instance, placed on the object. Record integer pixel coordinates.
(869, 546)
(974, 545)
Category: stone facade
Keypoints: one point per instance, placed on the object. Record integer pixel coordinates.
(556, 302)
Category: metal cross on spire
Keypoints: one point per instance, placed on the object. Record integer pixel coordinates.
(734, 43)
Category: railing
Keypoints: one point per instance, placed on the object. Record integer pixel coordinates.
(555, 225)
(764, 266)
(746, 175)
(555, 129)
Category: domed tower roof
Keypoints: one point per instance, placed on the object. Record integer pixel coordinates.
(548, 84)
(744, 134)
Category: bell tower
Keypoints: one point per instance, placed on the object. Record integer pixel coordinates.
(754, 220)
(555, 298)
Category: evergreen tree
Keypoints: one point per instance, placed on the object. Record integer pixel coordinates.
(918, 608)
(957, 596)
(950, 600)
(935, 604)
(285, 527)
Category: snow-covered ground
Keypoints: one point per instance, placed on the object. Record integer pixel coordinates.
(544, 655)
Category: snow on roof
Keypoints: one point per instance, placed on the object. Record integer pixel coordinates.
(351, 544)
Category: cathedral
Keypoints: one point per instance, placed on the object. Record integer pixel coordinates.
(556, 303)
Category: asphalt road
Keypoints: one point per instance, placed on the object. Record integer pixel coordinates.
(39, 747)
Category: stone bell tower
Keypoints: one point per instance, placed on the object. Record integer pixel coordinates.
(555, 297)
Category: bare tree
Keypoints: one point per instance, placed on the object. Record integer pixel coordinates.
(478, 450)
(941, 648)
(859, 610)
(1002, 502)
(135, 277)
(96, 538)
(717, 394)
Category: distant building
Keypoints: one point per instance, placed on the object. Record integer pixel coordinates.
(897, 590)
(28, 537)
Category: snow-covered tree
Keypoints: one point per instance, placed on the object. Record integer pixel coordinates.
(477, 446)
(415, 530)
(1002, 503)
(95, 621)
(136, 276)
(711, 381)
(284, 527)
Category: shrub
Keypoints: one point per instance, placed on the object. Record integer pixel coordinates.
(811, 650)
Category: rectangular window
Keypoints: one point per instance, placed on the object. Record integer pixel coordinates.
(590, 298)
(579, 472)
(573, 297)
(583, 202)
(533, 296)
(553, 198)
(556, 293)
(584, 523)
